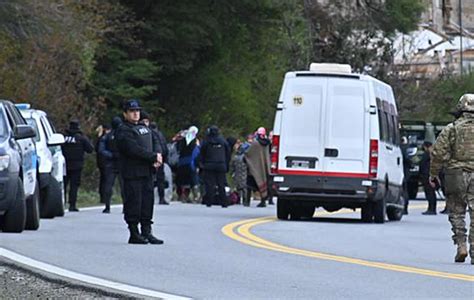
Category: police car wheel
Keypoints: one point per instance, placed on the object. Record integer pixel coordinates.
(32, 211)
(15, 218)
(51, 199)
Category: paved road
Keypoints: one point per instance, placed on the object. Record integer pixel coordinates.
(198, 260)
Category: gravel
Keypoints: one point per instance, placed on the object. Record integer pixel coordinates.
(19, 283)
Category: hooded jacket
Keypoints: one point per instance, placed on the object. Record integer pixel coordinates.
(215, 152)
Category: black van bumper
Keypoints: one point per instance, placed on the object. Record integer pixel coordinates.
(324, 189)
(8, 186)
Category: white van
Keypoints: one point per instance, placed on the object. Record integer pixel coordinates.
(336, 144)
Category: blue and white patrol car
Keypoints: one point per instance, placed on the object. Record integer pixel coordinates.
(19, 188)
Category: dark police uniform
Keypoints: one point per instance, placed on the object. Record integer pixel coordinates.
(138, 151)
(73, 149)
(110, 167)
(215, 155)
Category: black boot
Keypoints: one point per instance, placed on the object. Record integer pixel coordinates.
(107, 209)
(146, 234)
(262, 204)
(135, 237)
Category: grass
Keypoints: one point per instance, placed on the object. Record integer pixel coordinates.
(91, 198)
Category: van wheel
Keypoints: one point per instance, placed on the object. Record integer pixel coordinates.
(52, 199)
(282, 209)
(394, 213)
(32, 210)
(307, 212)
(379, 210)
(366, 212)
(295, 213)
(15, 218)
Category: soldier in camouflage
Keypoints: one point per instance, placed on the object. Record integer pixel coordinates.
(454, 150)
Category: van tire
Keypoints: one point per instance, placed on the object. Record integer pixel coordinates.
(379, 211)
(32, 210)
(394, 213)
(14, 219)
(52, 199)
(283, 210)
(366, 212)
(295, 213)
(308, 212)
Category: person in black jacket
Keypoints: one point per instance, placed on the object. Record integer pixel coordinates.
(215, 157)
(139, 158)
(430, 192)
(160, 172)
(108, 153)
(76, 144)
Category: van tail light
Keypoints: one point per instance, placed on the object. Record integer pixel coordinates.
(274, 154)
(373, 158)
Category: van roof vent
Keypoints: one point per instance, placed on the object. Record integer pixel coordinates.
(330, 68)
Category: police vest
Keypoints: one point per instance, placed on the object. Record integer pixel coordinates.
(464, 143)
(144, 137)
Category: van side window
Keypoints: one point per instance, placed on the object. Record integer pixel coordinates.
(390, 136)
(396, 133)
(383, 126)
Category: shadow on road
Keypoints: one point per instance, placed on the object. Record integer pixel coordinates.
(332, 220)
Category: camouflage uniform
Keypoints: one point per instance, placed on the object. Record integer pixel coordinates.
(454, 150)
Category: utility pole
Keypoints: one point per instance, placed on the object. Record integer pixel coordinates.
(460, 38)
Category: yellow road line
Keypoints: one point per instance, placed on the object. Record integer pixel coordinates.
(240, 231)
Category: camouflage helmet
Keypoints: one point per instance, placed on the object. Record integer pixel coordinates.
(466, 103)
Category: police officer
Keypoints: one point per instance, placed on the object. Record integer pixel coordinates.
(430, 192)
(108, 151)
(139, 157)
(76, 144)
(215, 155)
(454, 149)
(160, 172)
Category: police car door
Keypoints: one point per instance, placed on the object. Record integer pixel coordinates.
(28, 152)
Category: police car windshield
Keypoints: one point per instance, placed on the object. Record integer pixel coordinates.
(3, 125)
(32, 122)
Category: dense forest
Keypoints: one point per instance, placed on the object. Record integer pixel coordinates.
(190, 62)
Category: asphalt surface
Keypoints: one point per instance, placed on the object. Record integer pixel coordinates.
(199, 261)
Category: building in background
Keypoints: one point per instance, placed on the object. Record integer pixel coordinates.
(435, 48)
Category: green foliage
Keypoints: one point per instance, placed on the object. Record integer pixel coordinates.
(431, 100)
(402, 15)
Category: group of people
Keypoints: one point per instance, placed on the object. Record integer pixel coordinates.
(201, 167)
(134, 151)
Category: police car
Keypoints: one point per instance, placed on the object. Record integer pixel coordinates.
(51, 162)
(19, 188)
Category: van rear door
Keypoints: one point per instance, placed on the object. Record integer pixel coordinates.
(347, 136)
(302, 124)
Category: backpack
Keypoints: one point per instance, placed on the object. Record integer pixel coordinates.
(173, 155)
